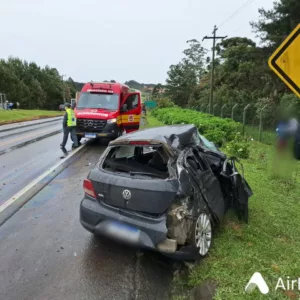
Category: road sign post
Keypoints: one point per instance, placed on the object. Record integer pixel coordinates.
(285, 61)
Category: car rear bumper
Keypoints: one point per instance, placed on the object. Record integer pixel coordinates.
(98, 218)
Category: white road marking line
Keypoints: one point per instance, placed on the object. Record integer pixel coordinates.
(36, 181)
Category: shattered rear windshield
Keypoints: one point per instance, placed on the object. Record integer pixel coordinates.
(137, 161)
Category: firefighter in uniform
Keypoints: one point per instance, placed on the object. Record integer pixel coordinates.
(69, 127)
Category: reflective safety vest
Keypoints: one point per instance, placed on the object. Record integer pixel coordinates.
(71, 121)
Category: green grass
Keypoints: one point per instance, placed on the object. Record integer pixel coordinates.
(269, 244)
(150, 121)
(11, 116)
(267, 136)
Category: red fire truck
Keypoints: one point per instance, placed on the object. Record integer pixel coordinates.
(107, 110)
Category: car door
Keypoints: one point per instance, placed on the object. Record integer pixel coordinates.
(241, 190)
(131, 112)
(207, 182)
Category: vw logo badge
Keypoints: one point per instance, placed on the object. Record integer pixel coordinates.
(126, 194)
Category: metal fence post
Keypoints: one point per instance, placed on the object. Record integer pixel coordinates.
(244, 118)
(222, 110)
(260, 122)
(214, 108)
(232, 112)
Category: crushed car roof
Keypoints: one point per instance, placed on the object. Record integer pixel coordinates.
(177, 136)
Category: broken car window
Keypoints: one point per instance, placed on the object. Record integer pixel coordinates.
(137, 160)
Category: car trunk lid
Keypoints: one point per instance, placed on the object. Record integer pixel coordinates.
(150, 196)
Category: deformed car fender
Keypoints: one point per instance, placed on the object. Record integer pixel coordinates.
(188, 188)
(207, 187)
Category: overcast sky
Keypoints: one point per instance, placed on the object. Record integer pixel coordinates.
(118, 39)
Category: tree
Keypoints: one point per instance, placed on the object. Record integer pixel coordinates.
(242, 74)
(157, 90)
(184, 77)
(194, 56)
(276, 24)
(180, 83)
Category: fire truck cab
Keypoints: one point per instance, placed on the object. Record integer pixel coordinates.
(107, 110)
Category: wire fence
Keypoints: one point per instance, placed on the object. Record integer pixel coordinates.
(255, 123)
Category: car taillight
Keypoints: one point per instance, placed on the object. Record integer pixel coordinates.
(88, 188)
(139, 143)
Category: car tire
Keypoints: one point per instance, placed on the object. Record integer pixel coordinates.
(202, 234)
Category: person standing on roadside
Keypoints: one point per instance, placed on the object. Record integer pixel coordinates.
(79, 144)
(289, 129)
(69, 127)
(18, 105)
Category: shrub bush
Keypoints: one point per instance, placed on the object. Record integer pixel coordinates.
(239, 146)
(164, 102)
(213, 128)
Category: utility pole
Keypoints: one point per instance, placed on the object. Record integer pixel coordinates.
(212, 77)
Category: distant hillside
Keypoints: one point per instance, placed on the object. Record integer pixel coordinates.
(140, 86)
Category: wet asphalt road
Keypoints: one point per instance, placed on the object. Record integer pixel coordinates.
(12, 138)
(46, 254)
(21, 166)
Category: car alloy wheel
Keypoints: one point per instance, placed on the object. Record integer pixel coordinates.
(203, 233)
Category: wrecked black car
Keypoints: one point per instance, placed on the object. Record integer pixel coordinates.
(163, 188)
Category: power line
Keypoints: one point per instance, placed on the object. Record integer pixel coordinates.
(236, 12)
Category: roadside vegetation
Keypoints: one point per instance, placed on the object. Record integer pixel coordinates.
(242, 74)
(14, 116)
(217, 130)
(268, 244)
(34, 87)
